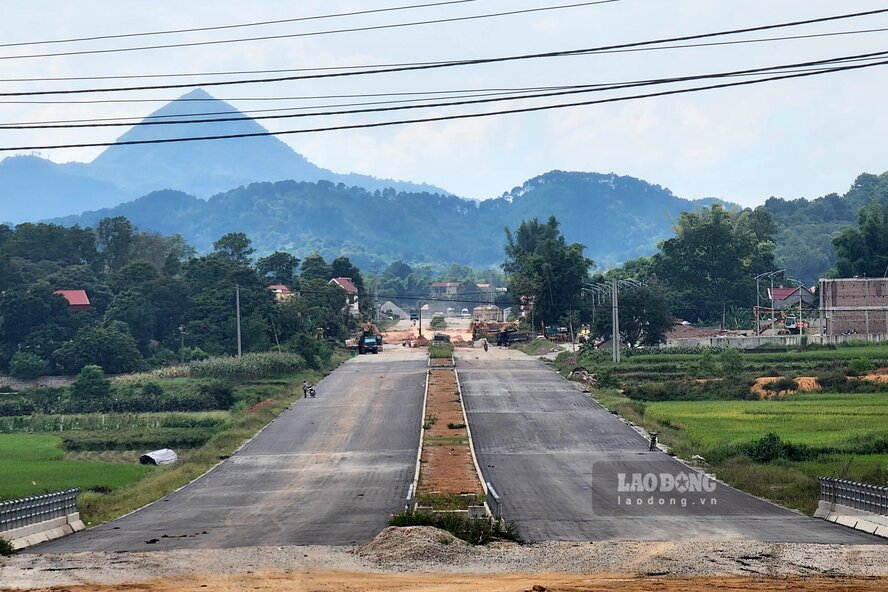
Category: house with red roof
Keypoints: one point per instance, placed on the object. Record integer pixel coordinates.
(788, 298)
(351, 293)
(77, 299)
(280, 291)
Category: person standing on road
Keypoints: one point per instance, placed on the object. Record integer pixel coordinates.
(305, 387)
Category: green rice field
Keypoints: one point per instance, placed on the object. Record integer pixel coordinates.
(32, 464)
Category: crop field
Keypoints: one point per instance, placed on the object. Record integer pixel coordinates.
(50, 441)
(702, 405)
(33, 464)
(814, 419)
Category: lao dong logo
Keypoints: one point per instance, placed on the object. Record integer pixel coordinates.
(664, 483)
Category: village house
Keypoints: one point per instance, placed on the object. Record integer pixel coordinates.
(280, 291)
(77, 299)
(351, 293)
(788, 298)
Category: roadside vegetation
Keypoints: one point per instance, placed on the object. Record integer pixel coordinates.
(475, 532)
(91, 434)
(769, 442)
(440, 350)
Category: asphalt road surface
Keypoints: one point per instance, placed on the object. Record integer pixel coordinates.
(567, 469)
(329, 470)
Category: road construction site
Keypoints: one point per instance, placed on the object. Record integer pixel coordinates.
(313, 491)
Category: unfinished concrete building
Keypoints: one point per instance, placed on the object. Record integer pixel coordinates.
(854, 305)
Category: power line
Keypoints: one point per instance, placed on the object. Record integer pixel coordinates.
(236, 26)
(133, 120)
(400, 64)
(308, 34)
(453, 63)
(578, 89)
(454, 117)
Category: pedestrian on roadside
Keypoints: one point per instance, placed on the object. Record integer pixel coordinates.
(305, 387)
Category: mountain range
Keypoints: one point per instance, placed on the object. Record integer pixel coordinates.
(33, 188)
(616, 217)
(260, 186)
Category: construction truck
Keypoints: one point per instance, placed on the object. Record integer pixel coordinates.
(368, 340)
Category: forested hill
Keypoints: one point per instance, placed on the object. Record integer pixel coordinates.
(806, 228)
(617, 218)
(126, 171)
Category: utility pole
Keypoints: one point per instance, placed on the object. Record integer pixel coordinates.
(181, 344)
(419, 308)
(615, 312)
(237, 306)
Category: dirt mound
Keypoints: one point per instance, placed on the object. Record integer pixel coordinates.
(877, 376)
(413, 543)
(807, 384)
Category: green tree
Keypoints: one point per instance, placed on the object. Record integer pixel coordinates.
(645, 317)
(863, 251)
(711, 263)
(91, 384)
(542, 269)
(114, 237)
(109, 347)
(314, 267)
(236, 247)
(27, 365)
(278, 268)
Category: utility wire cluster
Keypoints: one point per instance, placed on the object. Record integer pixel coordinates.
(361, 110)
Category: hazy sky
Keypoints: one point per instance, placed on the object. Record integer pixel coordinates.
(799, 138)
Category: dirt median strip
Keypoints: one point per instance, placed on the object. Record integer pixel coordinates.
(446, 467)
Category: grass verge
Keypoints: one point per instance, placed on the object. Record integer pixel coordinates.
(475, 532)
(440, 350)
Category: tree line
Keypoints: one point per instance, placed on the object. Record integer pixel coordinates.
(152, 294)
(704, 274)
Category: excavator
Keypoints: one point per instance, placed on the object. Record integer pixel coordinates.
(792, 325)
(503, 333)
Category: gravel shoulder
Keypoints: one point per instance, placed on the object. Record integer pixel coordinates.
(399, 556)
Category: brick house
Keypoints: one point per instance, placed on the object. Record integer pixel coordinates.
(855, 305)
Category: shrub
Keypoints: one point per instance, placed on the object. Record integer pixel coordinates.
(6, 548)
(137, 439)
(859, 366)
(771, 448)
(832, 380)
(706, 365)
(219, 391)
(606, 378)
(455, 426)
(475, 532)
(27, 365)
(731, 361)
(710, 390)
(781, 385)
(15, 406)
(437, 323)
(91, 384)
(440, 350)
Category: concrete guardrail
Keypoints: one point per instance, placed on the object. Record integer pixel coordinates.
(857, 505)
(32, 520)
